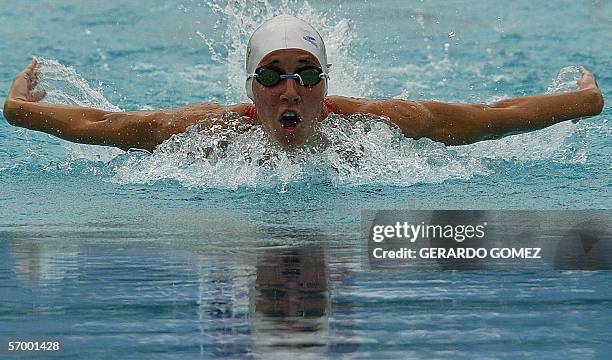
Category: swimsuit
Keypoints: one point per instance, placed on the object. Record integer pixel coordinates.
(250, 111)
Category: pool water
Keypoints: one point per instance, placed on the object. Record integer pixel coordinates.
(245, 251)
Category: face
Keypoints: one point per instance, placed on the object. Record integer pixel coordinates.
(287, 110)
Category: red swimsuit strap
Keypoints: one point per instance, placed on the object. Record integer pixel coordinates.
(328, 104)
(250, 111)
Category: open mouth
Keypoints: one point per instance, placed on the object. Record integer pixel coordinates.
(289, 120)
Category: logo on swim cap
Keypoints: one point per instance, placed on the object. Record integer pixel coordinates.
(311, 40)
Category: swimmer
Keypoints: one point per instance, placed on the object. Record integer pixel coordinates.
(287, 76)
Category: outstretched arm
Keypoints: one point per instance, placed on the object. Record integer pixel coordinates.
(125, 130)
(459, 124)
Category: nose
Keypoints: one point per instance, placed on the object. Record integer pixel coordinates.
(290, 93)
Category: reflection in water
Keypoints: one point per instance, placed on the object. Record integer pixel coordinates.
(31, 269)
(43, 263)
(202, 300)
(221, 301)
(291, 304)
(223, 310)
(276, 307)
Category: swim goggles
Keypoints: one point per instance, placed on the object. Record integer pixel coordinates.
(308, 76)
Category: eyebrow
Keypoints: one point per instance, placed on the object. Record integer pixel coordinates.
(274, 62)
(306, 61)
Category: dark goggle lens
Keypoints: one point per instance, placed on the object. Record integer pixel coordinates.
(310, 77)
(268, 77)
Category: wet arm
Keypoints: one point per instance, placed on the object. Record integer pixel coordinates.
(459, 124)
(64, 121)
(137, 129)
(125, 130)
(87, 126)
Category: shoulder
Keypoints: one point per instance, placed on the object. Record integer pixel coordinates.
(346, 105)
(380, 107)
(414, 118)
(211, 108)
(171, 120)
(192, 113)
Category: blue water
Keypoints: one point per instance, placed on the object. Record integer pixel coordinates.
(138, 256)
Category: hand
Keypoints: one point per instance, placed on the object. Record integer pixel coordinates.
(586, 80)
(24, 84)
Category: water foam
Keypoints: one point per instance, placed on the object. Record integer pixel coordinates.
(358, 149)
(350, 151)
(237, 20)
(65, 86)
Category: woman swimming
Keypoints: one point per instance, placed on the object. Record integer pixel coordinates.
(287, 78)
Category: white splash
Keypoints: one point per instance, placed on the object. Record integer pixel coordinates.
(565, 80)
(238, 19)
(352, 151)
(65, 86)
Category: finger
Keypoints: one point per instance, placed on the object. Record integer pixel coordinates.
(33, 76)
(36, 65)
(30, 81)
(34, 79)
(583, 77)
(28, 69)
(32, 67)
(584, 71)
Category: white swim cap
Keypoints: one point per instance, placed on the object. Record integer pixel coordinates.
(283, 32)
